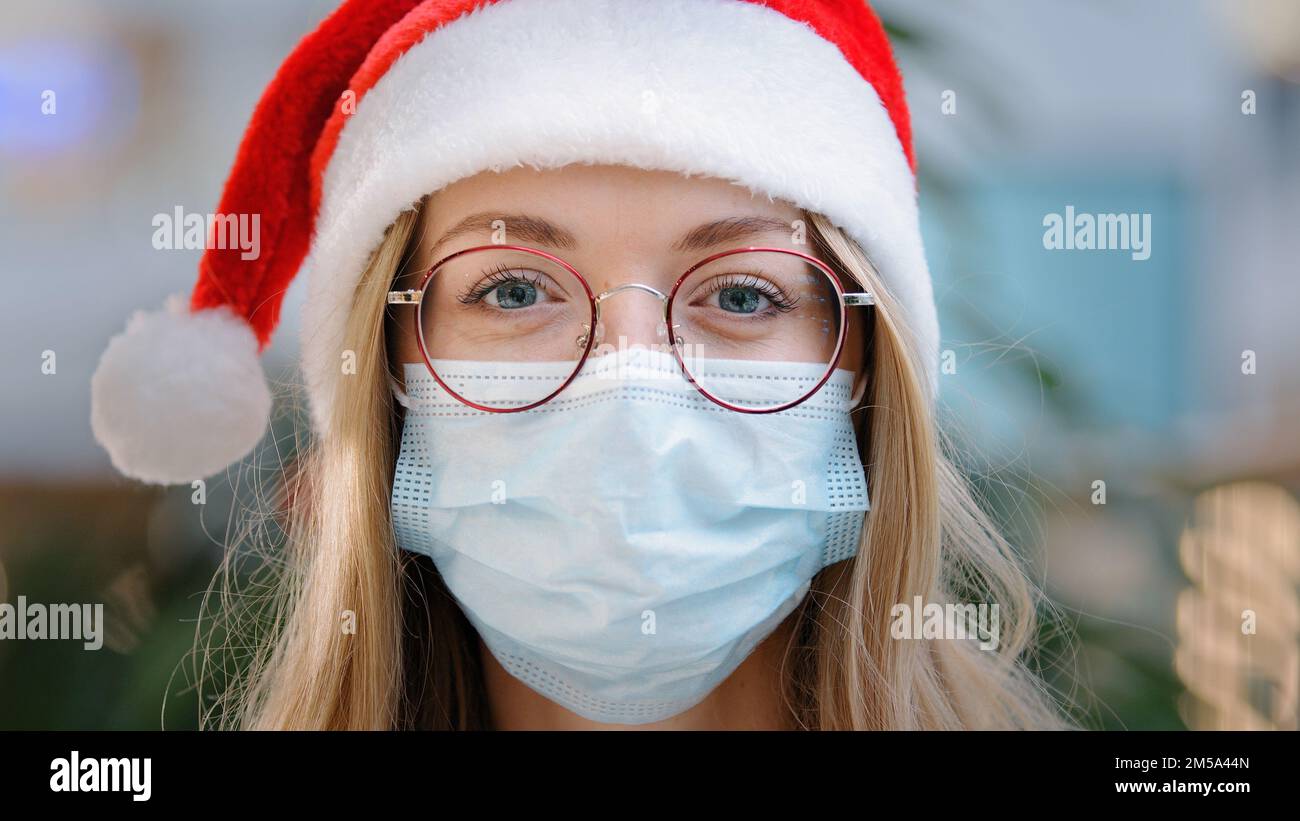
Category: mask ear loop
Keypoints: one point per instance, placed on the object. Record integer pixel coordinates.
(402, 398)
(859, 391)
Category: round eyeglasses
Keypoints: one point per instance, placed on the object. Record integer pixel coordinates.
(771, 308)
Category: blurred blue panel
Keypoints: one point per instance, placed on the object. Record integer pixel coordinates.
(1113, 329)
(97, 95)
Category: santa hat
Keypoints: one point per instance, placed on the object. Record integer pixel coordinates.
(390, 100)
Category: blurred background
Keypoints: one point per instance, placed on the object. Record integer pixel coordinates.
(1132, 422)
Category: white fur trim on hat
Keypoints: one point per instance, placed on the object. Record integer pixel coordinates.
(704, 87)
(179, 395)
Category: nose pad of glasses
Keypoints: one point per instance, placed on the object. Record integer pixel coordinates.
(581, 341)
(661, 334)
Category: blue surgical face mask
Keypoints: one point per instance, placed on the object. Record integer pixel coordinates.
(622, 548)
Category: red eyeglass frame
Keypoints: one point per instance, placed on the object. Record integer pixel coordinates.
(846, 300)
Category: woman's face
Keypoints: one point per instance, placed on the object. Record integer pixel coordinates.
(615, 225)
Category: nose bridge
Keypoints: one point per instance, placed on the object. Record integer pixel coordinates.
(633, 319)
(631, 286)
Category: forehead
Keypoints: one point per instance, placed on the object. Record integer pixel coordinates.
(602, 199)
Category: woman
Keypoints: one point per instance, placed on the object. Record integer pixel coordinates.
(616, 313)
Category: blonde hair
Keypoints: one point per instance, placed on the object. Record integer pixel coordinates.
(281, 659)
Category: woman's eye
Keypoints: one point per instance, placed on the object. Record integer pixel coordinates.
(513, 295)
(739, 299)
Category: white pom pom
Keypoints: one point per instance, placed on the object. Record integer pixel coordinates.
(179, 395)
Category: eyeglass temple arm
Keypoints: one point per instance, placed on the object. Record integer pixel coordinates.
(850, 300)
(404, 297)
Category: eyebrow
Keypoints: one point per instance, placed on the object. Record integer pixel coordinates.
(527, 228)
(518, 227)
(732, 229)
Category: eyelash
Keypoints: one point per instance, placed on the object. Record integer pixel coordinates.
(779, 299)
(492, 280)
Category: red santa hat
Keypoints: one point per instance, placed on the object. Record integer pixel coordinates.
(390, 100)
